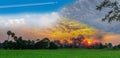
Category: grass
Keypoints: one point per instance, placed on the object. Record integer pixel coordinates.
(60, 53)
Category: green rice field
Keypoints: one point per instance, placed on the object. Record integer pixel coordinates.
(60, 53)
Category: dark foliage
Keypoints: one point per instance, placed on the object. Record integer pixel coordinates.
(43, 44)
(114, 13)
(53, 46)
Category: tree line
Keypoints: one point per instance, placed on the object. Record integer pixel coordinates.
(46, 43)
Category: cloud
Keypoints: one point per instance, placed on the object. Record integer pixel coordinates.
(46, 19)
(85, 11)
(11, 22)
(15, 22)
(29, 20)
(23, 5)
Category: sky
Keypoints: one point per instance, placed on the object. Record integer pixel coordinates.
(29, 16)
(43, 17)
(31, 6)
(33, 13)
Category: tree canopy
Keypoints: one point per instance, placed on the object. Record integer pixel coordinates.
(113, 14)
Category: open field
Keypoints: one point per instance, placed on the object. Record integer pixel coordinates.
(60, 53)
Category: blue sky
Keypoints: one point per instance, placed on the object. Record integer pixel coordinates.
(32, 9)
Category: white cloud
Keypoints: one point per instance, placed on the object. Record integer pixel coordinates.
(11, 22)
(32, 20)
(48, 19)
(15, 22)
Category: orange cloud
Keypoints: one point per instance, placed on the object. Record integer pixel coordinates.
(111, 38)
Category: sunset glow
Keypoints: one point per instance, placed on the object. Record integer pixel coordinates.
(89, 42)
(67, 29)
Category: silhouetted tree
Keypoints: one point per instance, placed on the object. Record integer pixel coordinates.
(114, 13)
(109, 45)
(58, 43)
(80, 39)
(9, 33)
(12, 34)
(101, 46)
(8, 44)
(15, 38)
(43, 44)
(98, 46)
(0, 45)
(118, 46)
(53, 45)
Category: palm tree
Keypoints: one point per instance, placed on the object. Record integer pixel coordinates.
(9, 33)
(12, 35)
(15, 38)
